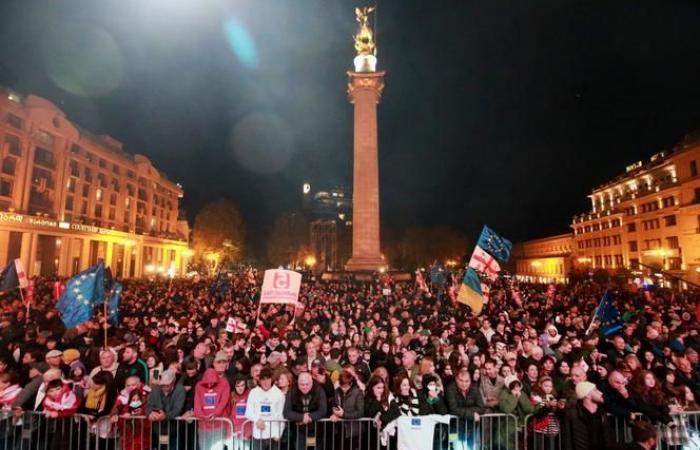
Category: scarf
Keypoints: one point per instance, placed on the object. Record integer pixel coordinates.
(96, 398)
(66, 401)
(8, 395)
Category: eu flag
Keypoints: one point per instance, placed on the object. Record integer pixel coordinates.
(609, 316)
(82, 292)
(494, 244)
(113, 312)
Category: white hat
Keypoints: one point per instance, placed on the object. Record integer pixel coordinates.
(510, 379)
(583, 389)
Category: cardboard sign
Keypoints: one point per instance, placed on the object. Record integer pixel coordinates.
(231, 324)
(280, 286)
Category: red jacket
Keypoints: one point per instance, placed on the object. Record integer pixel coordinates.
(211, 399)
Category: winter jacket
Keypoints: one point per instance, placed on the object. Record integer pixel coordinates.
(353, 404)
(314, 403)
(464, 406)
(583, 430)
(171, 403)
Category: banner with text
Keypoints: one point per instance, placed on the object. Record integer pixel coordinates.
(280, 286)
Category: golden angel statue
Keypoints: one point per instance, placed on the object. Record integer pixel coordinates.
(364, 39)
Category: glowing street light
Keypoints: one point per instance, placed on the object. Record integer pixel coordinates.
(310, 261)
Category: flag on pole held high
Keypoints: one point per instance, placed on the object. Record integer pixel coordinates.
(82, 292)
(485, 263)
(470, 292)
(13, 276)
(495, 245)
(113, 311)
(609, 316)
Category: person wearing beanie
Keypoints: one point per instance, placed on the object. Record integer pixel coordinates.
(512, 400)
(585, 425)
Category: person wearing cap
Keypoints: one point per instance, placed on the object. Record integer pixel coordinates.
(165, 403)
(220, 365)
(585, 425)
(54, 359)
(265, 409)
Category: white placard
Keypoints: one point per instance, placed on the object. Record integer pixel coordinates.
(280, 286)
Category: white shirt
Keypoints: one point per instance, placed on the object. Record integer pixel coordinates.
(268, 406)
(415, 432)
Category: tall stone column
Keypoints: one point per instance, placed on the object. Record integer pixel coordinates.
(364, 92)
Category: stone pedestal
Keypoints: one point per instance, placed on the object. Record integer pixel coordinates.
(364, 92)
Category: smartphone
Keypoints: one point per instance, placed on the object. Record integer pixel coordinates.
(156, 374)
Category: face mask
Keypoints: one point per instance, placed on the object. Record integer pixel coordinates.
(135, 404)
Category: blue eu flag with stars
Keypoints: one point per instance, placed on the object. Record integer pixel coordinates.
(609, 316)
(495, 245)
(82, 292)
(113, 312)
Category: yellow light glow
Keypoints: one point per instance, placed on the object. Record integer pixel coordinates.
(150, 268)
(310, 261)
(382, 269)
(189, 252)
(536, 264)
(450, 263)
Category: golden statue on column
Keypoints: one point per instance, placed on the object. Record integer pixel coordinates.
(364, 39)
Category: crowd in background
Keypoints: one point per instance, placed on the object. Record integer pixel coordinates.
(352, 349)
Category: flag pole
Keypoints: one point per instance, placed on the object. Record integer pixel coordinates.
(595, 314)
(108, 296)
(21, 295)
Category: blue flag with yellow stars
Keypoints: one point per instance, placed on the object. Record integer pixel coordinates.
(82, 292)
(610, 320)
(113, 312)
(495, 245)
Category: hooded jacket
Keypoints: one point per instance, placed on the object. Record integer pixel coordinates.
(212, 399)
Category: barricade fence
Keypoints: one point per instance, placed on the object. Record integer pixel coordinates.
(36, 431)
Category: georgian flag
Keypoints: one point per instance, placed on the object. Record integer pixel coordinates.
(13, 276)
(485, 263)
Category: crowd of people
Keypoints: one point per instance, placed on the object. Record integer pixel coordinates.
(351, 349)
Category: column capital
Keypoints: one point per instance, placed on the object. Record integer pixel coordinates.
(365, 81)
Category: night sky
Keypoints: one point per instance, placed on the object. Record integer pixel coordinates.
(506, 112)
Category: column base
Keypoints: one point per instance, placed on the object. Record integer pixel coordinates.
(365, 264)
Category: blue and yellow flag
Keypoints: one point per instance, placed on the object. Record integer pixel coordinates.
(82, 292)
(470, 292)
(495, 245)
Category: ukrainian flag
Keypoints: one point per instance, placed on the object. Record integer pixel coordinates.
(470, 292)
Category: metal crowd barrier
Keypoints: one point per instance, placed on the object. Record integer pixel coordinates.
(326, 434)
(35, 431)
(139, 433)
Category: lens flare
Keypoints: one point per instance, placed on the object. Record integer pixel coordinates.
(241, 43)
(83, 59)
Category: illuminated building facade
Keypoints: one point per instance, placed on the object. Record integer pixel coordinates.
(331, 228)
(69, 199)
(648, 216)
(544, 260)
